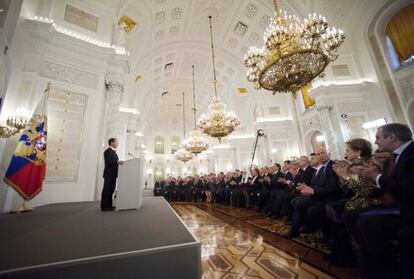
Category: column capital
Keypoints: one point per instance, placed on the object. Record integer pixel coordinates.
(323, 108)
(113, 85)
(115, 82)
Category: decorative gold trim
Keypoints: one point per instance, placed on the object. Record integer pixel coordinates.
(242, 90)
(128, 23)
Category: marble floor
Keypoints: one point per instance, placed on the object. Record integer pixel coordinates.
(231, 252)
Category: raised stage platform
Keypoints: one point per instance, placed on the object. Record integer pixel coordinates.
(77, 240)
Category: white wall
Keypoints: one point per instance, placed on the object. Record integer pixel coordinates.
(42, 55)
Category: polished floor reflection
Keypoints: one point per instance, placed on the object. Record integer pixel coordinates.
(229, 252)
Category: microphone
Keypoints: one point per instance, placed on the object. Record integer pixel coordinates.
(132, 155)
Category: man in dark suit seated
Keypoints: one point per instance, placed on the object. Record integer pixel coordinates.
(304, 173)
(312, 200)
(169, 187)
(395, 221)
(110, 175)
(157, 188)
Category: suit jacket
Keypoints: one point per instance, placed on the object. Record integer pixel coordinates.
(327, 183)
(307, 174)
(289, 176)
(221, 186)
(400, 183)
(274, 184)
(111, 164)
(238, 179)
(199, 185)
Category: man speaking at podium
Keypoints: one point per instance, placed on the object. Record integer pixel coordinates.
(110, 174)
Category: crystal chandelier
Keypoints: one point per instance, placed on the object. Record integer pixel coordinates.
(196, 143)
(13, 126)
(295, 52)
(219, 122)
(182, 154)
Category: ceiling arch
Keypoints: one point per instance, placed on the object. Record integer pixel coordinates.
(176, 36)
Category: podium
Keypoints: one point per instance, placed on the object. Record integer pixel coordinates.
(129, 188)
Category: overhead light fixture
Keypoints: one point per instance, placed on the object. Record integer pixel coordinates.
(272, 119)
(375, 123)
(182, 154)
(242, 137)
(196, 143)
(295, 53)
(218, 123)
(274, 150)
(128, 110)
(139, 134)
(221, 146)
(320, 138)
(15, 123)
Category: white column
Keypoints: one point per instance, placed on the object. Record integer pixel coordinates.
(113, 123)
(216, 162)
(332, 139)
(116, 121)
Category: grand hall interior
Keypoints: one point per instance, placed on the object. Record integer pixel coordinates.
(207, 139)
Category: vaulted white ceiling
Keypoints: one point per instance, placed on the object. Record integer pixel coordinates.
(173, 35)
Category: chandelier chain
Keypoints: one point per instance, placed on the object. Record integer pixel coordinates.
(183, 116)
(213, 57)
(277, 10)
(194, 101)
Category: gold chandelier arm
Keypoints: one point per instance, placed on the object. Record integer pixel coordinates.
(212, 55)
(194, 101)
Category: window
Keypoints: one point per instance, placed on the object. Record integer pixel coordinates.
(175, 144)
(400, 37)
(159, 145)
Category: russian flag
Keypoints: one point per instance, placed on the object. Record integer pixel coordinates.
(27, 168)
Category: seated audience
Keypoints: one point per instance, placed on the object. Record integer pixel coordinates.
(313, 198)
(376, 228)
(360, 196)
(366, 197)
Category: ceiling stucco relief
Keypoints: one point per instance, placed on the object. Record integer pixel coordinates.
(177, 32)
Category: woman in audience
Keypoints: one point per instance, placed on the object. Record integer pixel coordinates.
(360, 196)
(207, 187)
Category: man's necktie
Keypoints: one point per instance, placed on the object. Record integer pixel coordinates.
(391, 164)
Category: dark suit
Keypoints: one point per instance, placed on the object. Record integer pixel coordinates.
(199, 191)
(110, 174)
(221, 191)
(376, 229)
(307, 174)
(285, 199)
(157, 188)
(312, 208)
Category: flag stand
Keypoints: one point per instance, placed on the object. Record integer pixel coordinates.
(22, 209)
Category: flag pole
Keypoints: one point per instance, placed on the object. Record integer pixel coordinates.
(24, 207)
